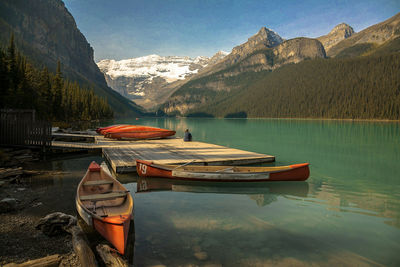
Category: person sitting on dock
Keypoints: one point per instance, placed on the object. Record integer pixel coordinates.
(188, 136)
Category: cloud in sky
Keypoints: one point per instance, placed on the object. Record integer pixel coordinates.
(132, 28)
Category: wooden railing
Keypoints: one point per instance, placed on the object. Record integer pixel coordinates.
(25, 132)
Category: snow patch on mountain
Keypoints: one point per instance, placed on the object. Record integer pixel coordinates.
(145, 77)
(170, 68)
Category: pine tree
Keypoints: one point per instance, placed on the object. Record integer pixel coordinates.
(56, 99)
(57, 93)
(46, 95)
(12, 73)
(4, 81)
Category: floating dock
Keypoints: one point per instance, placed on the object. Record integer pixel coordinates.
(121, 155)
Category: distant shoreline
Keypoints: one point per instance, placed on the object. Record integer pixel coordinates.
(258, 118)
(358, 120)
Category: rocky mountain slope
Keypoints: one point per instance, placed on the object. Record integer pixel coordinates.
(150, 79)
(46, 32)
(239, 84)
(367, 40)
(336, 35)
(265, 51)
(263, 39)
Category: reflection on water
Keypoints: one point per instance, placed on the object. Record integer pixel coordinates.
(346, 214)
(263, 193)
(219, 224)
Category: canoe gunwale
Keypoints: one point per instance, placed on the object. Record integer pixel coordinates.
(213, 176)
(87, 212)
(114, 224)
(295, 172)
(176, 167)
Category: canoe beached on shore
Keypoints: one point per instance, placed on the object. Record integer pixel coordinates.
(295, 172)
(105, 204)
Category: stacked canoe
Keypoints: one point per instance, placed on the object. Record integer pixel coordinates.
(134, 132)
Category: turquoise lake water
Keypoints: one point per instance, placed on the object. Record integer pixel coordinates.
(346, 214)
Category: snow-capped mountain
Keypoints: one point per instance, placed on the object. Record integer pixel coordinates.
(144, 78)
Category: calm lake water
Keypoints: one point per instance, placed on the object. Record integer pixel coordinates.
(346, 214)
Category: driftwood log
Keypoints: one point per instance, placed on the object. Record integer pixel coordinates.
(110, 257)
(49, 261)
(20, 152)
(4, 173)
(58, 222)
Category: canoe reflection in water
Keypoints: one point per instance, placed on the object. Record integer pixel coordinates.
(263, 193)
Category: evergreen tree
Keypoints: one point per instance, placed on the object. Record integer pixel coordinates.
(57, 88)
(45, 105)
(4, 86)
(23, 86)
(12, 73)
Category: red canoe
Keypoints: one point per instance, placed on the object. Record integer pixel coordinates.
(296, 172)
(115, 128)
(141, 135)
(100, 129)
(140, 132)
(105, 204)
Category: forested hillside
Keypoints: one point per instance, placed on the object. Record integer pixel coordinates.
(365, 87)
(359, 78)
(54, 98)
(45, 32)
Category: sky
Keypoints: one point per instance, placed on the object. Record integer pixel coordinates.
(121, 29)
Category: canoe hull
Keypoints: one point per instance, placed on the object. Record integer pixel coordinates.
(105, 204)
(141, 134)
(296, 172)
(115, 229)
(134, 132)
(83, 213)
(101, 129)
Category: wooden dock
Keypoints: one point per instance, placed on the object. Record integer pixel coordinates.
(121, 155)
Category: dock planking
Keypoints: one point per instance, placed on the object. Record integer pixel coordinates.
(121, 155)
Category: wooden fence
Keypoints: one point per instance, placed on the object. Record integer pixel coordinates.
(17, 114)
(25, 132)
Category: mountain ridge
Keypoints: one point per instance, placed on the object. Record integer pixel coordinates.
(149, 79)
(46, 32)
(337, 34)
(370, 37)
(224, 88)
(256, 55)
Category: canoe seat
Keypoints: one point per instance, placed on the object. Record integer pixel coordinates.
(98, 182)
(100, 197)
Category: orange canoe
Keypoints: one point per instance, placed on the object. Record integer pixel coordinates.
(105, 204)
(296, 172)
(134, 132)
(145, 134)
(115, 128)
(100, 129)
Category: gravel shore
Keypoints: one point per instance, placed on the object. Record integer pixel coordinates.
(20, 241)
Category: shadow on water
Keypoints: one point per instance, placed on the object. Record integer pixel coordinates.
(241, 115)
(262, 192)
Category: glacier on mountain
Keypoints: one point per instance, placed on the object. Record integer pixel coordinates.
(171, 68)
(135, 78)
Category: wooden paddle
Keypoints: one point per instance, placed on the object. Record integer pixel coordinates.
(187, 163)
